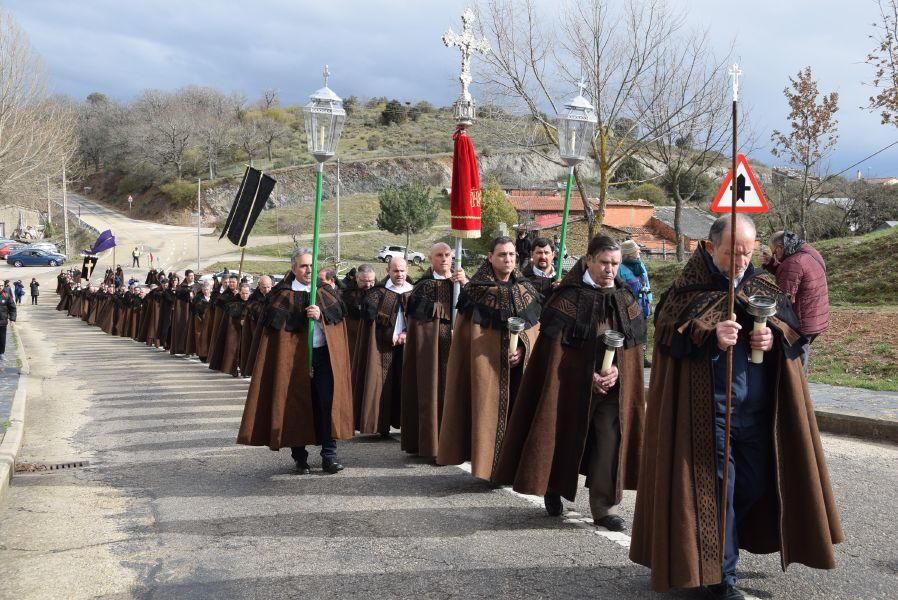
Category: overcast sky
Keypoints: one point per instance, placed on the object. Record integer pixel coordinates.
(393, 48)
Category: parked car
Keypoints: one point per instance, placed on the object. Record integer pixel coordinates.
(48, 246)
(387, 253)
(29, 257)
(7, 248)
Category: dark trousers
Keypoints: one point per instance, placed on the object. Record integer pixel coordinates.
(2, 339)
(34, 299)
(322, 406)
(135, 261)
(19, 298)
(751, 471)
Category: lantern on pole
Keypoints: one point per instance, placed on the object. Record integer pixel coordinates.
(324, 118)
(576, 128)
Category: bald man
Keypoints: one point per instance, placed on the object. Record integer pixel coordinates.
(429, 326)
(779, 498)
(383, 335)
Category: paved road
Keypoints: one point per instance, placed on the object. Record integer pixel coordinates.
(170, 507)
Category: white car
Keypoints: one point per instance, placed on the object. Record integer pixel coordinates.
(387, 253)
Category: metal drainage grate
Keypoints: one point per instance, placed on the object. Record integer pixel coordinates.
(28, 467)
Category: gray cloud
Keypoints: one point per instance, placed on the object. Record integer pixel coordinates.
(393, 48)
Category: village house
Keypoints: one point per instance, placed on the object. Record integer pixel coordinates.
(650, 226)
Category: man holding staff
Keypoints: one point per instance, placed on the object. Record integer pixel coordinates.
(779, 497)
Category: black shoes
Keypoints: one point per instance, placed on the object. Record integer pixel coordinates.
(725, 591)
(612, 523)
(553, 504)
(303, 468)
(331, 466)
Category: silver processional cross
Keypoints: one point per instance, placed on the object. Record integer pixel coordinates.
(468, 45)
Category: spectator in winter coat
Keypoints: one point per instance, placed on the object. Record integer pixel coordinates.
(35, 291)
(801, 273)
(7, 317)
(633, 273)
(20, 291)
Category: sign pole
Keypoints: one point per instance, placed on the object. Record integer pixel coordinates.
(735, 73)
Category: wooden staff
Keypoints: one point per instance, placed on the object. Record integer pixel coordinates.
(731, 302)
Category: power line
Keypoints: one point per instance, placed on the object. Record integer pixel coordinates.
(863, 160)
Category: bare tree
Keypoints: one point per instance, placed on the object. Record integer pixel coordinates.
(812, 138)
(36, 130)
(269, 99)
(884, 60)
(617, 52)
(689, 109)
(249, 138)
(271, 130)
(213, 120)
(165, 127)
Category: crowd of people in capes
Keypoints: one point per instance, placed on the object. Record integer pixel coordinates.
(536, 379)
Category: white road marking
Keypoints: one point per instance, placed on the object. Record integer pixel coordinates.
(570, 517)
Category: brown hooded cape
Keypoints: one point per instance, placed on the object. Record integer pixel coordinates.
(202, 319)
(220, 329)
(481, 383)
(248, 336)
(549, 433)
(676, 523)
(376, 380)
(278, 411)
(429, 318)
(180, 329)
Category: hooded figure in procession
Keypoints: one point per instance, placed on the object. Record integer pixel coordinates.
(779, 496)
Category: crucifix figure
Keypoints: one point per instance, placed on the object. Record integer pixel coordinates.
(735, 72)
(468, 44)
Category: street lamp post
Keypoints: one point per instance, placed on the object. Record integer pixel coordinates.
(324, 118)
(576, 128)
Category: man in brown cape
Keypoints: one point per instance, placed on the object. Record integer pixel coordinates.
(779, 493)
(378, 378)
(354, 294)
(427, 346)
(202, 318)
(229, 294)
(250, 332)
(540, 271)
(180, 329)
(231, 330)
(484, 372)
(571, 416)
(287, 405)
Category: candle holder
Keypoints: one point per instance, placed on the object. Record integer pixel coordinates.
(613, 340)
(760, 307)
(515, 327)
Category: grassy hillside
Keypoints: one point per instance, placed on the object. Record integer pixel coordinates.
(860, 269)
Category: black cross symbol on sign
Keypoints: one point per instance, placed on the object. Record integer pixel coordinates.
(741, 188)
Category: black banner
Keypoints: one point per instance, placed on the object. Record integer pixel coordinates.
(251, 198)
(88, 266)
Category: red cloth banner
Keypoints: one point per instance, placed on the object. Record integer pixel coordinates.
(464, 201)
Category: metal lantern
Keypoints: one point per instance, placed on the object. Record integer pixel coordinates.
(324, 118)
(576, 129)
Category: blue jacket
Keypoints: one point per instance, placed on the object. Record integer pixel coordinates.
(633, 273)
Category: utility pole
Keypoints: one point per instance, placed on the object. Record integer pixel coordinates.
(49, 212)
(65, 211)
(337, 266)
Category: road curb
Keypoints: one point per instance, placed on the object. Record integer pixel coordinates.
(874, 430)
(15, 435)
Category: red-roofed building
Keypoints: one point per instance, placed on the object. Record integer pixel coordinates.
(540, 210)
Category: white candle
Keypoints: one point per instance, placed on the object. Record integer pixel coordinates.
(757, 356)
